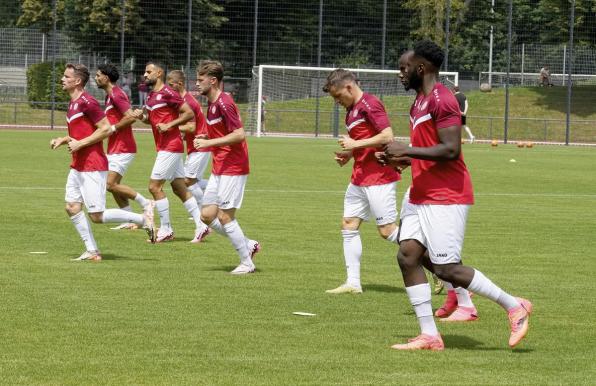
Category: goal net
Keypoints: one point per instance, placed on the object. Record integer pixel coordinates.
(289, 100)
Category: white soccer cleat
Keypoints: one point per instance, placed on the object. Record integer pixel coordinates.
(345, 289)
(243, 269)
(89, 255)
(199, 236)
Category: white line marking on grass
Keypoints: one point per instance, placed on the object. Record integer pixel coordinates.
(562, 195)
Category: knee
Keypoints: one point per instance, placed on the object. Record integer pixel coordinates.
(110, 186)
(208, 214)
(350, 224)
(406, 260)
(72, 208)
(445, 272)
(96, 217)
(386, 230)
(154, 188)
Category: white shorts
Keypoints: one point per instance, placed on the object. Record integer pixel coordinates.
(225, 191)
(88, 188)
(195, 164)
(168, 166)
(119, 163)
(440, 228)
(361, 201)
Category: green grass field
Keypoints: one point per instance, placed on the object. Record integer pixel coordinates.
(170, 314)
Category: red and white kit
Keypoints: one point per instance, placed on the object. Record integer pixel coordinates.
(441, 191)
(163, 107)
(230, 163)
(121, 144)
(197, 159)
(372, 187)
(86, 181)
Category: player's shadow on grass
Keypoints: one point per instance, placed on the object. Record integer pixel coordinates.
(465, 342)
(228, 269)
(111, 257)
(382, 288)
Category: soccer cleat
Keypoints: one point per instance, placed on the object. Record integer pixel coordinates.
(87, 255)
(148, 223)
(163, 237)
(243, 269)
(345, 289)
(462, 314)
(519, 320)
(449, 306)
(422, 342)
(253, 247)
(126, 225)
(199, 236)
(438, 284)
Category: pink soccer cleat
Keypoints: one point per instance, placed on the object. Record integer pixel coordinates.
(163, 237)
(449, 306)
(422, 342)
(519, 320)
(199, 236)
(462, 314)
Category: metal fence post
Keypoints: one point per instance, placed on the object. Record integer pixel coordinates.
(509, 27)
(122, 38)
(53, 97)
(570, 69)
(188, 44)
(447, 12)
(317, 115)
(255, 34)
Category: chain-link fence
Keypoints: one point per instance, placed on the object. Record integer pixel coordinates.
(541, 68)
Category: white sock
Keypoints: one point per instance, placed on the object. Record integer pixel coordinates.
(203, 184)
(197, 192)
(463, 297)
(238, 240)
(193, 209)
(469, 132)
(141, 200)
(352, 254)
(127, 208)
(83, 227)
(216, 226)
(163, 209)
(483, 286)
(419, 296)
(121, 215)
(393, 236)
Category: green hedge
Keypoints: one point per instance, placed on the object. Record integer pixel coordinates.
(39, 86)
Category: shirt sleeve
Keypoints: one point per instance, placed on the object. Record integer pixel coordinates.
(446, 112)
(174, 100)
(231, 116)
(121, 102)
(92, 110)
(377, 116)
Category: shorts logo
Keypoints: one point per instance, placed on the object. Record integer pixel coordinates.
(92, 206)
(379, 218)
(440, 255)
(225, 202)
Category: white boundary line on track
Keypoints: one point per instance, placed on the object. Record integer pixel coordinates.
(562, 195)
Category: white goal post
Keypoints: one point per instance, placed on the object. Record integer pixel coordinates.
(295, 94)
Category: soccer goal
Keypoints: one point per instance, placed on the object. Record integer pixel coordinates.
(289, 100)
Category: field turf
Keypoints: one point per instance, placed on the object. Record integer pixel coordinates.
(170, 314)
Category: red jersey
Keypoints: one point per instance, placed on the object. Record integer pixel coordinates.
(82, 115)
(365, 119)
(437, 182)
(200, 124)
(163, 106)
(122, 141)
(222, 119)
